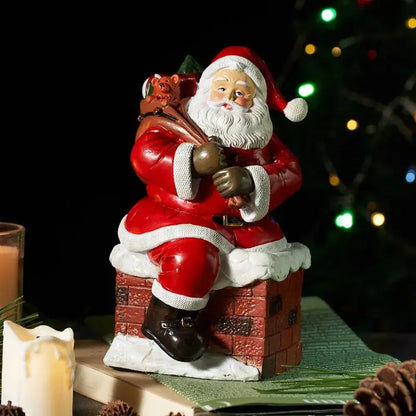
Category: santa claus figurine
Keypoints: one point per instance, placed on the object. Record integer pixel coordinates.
(205, 222)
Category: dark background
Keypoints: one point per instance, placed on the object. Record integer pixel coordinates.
(72, 90)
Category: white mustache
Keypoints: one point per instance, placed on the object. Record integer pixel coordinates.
(237, 108)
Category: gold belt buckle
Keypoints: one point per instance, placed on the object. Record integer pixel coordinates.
(227, 223)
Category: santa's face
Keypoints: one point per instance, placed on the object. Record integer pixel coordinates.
(230, 85)
(229, 107)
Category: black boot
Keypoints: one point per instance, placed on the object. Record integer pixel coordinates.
(174, 330)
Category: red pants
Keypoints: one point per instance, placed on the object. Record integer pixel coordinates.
(189, 266)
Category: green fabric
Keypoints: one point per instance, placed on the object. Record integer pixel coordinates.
(328, 345)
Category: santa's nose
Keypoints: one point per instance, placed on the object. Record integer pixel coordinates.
(231, 95)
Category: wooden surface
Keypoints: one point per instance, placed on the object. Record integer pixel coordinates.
(96, 381)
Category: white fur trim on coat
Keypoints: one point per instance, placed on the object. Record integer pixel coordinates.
(260, 197)
(186, 186)
(152, 239)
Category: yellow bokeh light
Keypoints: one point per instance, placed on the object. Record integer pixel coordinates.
(336, 51)
(352, 124)
(378, 219)
(411, 23)
(334, 179)
(310, 49)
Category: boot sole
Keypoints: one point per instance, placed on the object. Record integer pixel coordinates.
(151, 336)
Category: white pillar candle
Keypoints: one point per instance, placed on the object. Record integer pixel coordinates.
(38, 369)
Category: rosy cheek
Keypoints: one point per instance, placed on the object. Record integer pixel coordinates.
(244, 102)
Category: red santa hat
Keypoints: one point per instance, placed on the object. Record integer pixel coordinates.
(243, 58)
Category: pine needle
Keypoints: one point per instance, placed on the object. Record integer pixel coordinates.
(319, 380)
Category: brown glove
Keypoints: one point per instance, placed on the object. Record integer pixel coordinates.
(208, 159)
(233, 181)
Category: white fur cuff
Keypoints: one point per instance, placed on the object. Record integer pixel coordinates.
(260, 197)
(186, 186)
(178, 301)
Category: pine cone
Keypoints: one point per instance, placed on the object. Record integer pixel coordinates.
(9, 410)
(391, 392)
(117, 408)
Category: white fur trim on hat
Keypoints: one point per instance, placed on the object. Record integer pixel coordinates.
(296, 109)
(240, 64)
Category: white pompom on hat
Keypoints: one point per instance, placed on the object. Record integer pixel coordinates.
(254, 66)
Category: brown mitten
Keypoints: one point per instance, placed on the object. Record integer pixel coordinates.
(208, 159)
(233, 181)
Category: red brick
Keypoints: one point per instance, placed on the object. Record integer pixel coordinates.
(287, 339)
(281, 361)
(148, 282)
(296, 331)
(271, 325)
(249, 346)
(134, 329)
(268, 368)
(275, 343)
(241, 358)
(131, 314)
(220, 306)
(281, 322)
(120, 327)
(294, 290)
(291, 355)
(255, 361)
(222, 342)
(274, 305)
(260, 326)
(261, 289)
(139, 296)
(245, 291)
(274, 288)
(251, 307)
(124, 279)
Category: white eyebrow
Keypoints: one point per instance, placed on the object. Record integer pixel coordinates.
(221, 79)
(242, 82)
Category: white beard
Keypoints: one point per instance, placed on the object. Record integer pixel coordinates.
(244, 128)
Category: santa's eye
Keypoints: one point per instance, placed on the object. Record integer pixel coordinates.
(221, 89)
(239, 93)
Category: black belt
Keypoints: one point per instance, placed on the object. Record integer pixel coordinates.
(229, 221)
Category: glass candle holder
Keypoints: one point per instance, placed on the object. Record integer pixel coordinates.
(12, 242)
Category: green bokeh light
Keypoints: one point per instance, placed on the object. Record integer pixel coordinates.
(328, 14)
(345, 219)
(306, 89)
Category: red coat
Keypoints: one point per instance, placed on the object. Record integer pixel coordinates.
(154, 158)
